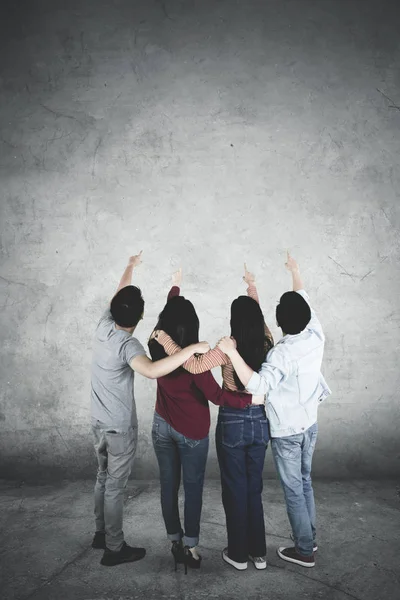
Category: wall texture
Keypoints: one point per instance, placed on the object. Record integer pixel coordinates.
(206, 134)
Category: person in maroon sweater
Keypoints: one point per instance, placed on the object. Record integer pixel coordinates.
(181, 427)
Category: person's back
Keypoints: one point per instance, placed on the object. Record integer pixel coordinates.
(292, 380)
(116, 355)
(297, 358)
(112, 390)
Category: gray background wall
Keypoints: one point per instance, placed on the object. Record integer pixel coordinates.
(206, 134)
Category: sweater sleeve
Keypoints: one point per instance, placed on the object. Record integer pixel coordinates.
(174, 291)
(212, 391)
(195, 364)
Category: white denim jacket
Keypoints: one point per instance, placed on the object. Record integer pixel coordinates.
(292, 380)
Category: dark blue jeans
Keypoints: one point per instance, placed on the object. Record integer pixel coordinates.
(242, 437)
(174, 453)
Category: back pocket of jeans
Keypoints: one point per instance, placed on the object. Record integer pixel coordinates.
(191, 443)
(232, 433)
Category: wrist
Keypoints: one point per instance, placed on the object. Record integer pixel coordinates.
(231, 353)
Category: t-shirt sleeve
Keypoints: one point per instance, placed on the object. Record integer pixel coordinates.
(132, 349)
(106, 316)
(314, 323)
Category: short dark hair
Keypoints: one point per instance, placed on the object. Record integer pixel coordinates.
(127, 306)
(293, 313)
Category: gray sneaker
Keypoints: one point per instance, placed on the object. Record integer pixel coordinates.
(260, 562)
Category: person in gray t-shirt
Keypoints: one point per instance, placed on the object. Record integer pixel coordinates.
(116, 356)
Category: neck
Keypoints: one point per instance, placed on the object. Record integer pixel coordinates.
(127, 329)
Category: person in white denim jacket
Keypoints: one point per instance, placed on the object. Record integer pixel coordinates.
(294, 386)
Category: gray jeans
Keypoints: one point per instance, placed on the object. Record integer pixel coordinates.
(115, 449)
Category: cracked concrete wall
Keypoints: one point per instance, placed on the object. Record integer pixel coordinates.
(206, 134)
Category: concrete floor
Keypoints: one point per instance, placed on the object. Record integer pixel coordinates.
(47, 532)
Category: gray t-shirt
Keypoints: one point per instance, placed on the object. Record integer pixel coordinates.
(112, 395)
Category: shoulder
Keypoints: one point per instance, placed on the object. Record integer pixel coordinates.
(279, 354)
(130, 348)
(133, 342)
(304, 294)
(106, 318)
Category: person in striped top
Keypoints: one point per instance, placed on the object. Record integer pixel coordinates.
(215, 357)
(242, 434)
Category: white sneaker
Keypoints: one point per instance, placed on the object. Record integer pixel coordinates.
(240, 566)
(260, 562)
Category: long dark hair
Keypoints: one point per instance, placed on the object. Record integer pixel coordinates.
(247, 327)
(180, 321)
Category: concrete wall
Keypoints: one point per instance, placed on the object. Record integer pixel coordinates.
(206, 134)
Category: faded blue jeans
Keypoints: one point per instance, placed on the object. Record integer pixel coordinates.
(176, 453)
(293, 458)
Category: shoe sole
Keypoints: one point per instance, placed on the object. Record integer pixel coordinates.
(233, 564)
(121, 562)
(259, 566)
(295, 561)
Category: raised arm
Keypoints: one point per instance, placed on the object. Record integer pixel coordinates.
(126, 279)
(293, 267)
(176, 284)
(153, 370)
(298, 287)
(252, 293)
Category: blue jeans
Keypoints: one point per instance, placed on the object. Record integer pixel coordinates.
(175, 452)
(293, 458)
(242, 437)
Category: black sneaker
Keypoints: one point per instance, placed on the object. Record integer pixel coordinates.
(126, 554)
(99, 540)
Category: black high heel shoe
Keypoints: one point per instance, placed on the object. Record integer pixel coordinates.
(190, 561)
(178, 553)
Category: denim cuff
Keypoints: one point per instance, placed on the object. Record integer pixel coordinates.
(190, 541)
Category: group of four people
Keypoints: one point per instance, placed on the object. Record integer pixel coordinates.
(270, 392)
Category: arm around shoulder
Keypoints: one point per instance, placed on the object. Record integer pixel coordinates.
(153, 370)
(271, 374)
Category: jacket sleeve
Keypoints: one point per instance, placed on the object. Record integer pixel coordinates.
(314, 323)
(272, 373)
